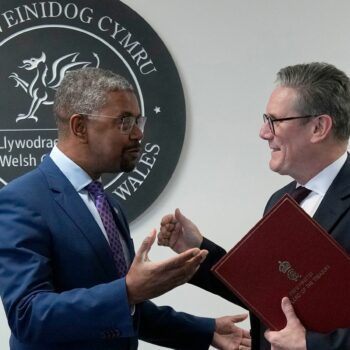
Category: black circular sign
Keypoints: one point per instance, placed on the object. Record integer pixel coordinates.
(40, 41)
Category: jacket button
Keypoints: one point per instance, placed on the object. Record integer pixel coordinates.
(116, 333)
(110, 334)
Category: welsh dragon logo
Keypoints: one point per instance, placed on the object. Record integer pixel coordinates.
(47, 78)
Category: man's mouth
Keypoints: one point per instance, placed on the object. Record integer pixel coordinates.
(274, 149)
(135, 151)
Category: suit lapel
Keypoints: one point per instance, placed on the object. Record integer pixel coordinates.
(69, 200)
(336, 201)
(123, 228)
(122, 225)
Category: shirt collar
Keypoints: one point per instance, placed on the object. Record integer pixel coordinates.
(321, 182)
(74, 173)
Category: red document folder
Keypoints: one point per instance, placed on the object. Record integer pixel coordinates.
(288, 254)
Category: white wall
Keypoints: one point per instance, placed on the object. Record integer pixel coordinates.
(227, 53)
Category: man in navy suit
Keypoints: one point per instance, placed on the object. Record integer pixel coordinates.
(307, 127)
(69, 278)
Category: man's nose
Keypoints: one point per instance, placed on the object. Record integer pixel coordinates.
(265, 132)
(136, 133)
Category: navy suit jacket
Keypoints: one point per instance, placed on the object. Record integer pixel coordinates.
(58, 279)
(333, 215)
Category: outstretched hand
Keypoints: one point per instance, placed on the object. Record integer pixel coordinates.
(292, 336)
(147, 279)
(228, 336)
(179, 233)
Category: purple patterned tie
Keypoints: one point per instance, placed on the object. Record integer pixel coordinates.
(95, 189)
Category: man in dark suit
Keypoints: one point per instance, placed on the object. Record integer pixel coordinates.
(307, 127)
(69, 278)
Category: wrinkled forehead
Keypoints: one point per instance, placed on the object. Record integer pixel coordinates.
(121, 102)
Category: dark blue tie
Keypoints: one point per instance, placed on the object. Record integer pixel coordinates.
(300, 193)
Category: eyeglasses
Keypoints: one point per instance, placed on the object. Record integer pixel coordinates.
(126, 122)
(270, 120)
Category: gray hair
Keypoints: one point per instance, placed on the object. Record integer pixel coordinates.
(322, 89)
(85, 91)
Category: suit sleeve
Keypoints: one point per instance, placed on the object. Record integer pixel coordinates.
(177, 330)
(205, 279)
(36, 310)
(337, 340)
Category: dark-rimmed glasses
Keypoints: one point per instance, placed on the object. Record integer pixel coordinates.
(127, 122)
(270, 120)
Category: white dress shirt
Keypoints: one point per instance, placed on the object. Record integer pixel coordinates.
(79, 180)
(319, 185)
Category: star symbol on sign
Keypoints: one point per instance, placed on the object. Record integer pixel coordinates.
(157, 109)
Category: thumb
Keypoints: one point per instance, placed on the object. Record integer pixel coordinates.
(288, 310)
(146, 245)
(182, 219)
(239, 318)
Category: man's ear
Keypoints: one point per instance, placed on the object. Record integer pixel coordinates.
(322, 128)
(77, 124)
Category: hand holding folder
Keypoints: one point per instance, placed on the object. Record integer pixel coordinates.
(288, 254)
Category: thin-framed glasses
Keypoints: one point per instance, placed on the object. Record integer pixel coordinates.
(127, 122)
(271, 120)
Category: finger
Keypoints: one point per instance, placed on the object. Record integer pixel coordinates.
(170, 226)
(192, 265)
(239, 318)
(166, 237)
(204, 254)
(163, 241)
(142, 253)
(180, 217)
(288, 310)
(246, 341)
(168, 229)
(193, 255)
(177, 273)
(178, 227)
(243, 347)
(169, 218)
(164, 233)
(200, 257)
(246, 334)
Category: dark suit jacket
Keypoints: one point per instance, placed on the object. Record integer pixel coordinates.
(333, 214)
(58, 279)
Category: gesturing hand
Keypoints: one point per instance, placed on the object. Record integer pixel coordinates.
(228, 336)
(147, 279)
(179, 233)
